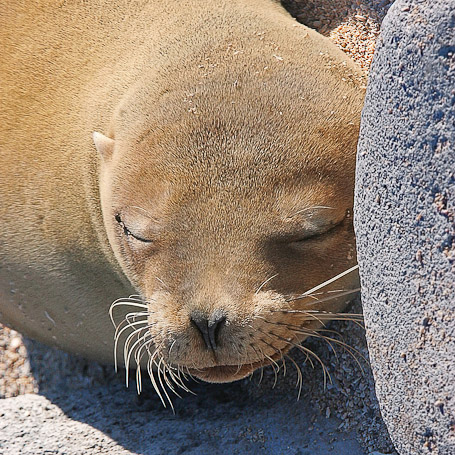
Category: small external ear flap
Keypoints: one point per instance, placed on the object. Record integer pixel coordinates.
(104, 145)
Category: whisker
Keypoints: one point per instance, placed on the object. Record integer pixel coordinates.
(275, 371)
(283, 361)
(299, 376)
(118, 335)
(239, 367)
(178, 380)
(138, 353)
(170, 348)
(262, 375)
(325, 299)
(356, 316)
(327, 339)
(180, 370)
(256, 352)
(152, 376)
(138, 358)
(349, 349)
(321, 316)
(315, 295)
(331, 280)
(136, 297)
(269, 358)
(310, 352)
(128, 352)
(260, 357)
(126, 324)
(324, 368)
(312, 316)
(136, 314)
(277, 350)
(124, 302)
(264, 283)
(190, 375)
(166, 369)
(299, 327)
(162, 386)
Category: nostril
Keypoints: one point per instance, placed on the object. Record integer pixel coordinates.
(202, 325)
(208, 328)
(214, 330)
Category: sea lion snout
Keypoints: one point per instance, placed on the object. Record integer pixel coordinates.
(209, 328)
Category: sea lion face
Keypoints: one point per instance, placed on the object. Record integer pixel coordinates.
(222, 224)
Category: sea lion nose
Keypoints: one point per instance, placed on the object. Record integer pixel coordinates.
(209, 328)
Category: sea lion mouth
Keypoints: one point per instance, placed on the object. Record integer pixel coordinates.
(229, 373)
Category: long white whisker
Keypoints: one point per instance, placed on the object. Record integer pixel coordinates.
(123, 302)
(168, 380)
(152, 376)
(170, 348)
(325, 299)
(162, 385)
(138, 357)
(127, 351)
(118, 335)
(179, 381)
(325, 283)
(265, 282)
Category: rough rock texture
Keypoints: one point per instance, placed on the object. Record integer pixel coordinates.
(405, 224)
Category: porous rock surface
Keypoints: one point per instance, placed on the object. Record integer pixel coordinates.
(405, 224)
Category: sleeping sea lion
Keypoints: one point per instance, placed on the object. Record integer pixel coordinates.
(197, 155)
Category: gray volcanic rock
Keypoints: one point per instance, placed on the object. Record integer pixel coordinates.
(405, 224)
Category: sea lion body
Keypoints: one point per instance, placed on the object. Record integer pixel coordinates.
(219, 121)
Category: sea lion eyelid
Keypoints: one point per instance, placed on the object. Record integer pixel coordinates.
(329, 228)
(127, 232)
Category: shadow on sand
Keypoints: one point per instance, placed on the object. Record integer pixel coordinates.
(241, 417)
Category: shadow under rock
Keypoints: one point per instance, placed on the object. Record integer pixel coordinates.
(240, 417)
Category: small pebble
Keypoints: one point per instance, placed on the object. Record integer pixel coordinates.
(15, 343)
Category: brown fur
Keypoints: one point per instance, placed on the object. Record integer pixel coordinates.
(229, 122)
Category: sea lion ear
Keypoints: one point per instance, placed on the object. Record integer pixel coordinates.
(104, 145)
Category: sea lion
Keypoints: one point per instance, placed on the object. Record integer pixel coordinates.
(220, 193)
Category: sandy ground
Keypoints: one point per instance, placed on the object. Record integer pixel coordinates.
(348, 402)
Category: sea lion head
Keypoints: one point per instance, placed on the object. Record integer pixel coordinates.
(223, 203)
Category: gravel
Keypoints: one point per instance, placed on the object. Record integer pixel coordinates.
(352, 24)
(15, 375)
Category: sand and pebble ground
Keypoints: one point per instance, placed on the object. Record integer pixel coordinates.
(26, 367)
